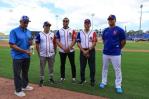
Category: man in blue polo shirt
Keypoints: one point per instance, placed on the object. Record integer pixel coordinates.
(114, 40)
(20, 40)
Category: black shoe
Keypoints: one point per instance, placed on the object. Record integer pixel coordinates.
(92, 84)
(51, 81)
(41, 83)
(82, 82)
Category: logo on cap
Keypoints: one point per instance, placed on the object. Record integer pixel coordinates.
(25, 19)
(87, 21)
(46, 23)
(112, 17)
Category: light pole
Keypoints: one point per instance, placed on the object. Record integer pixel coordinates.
(141, 6)
(92, 20)
(57, 21)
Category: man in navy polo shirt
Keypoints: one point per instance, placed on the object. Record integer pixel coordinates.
(114, 40)
(20, 40)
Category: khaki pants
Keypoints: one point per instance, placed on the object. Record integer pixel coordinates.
(43, 61)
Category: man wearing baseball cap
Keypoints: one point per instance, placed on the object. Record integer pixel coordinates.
(46, 46)
(86, 40)
(114, 40)
(20, 40)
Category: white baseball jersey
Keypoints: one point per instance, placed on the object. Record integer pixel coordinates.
(66, 37)
(86, 39)
(46, 43)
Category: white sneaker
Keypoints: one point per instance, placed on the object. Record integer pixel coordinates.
(62, 79)
(20, 94)
(28, 88)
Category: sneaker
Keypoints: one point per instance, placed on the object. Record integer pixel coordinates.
(62, 80)
(102, 86)
(51, 81)
(73, 80)
(82, 82)
(119, 90)
(28, 88)
(41, 83)
(92, 84)
(20, 94)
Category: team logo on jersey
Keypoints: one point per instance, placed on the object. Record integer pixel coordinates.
(90, 39)
(70, 34)
(114, 32)
(51, 38)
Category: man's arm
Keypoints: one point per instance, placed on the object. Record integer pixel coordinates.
(59, 44)
(54, 43)
(12, 43)
(37, 48)
(94, 41)
(19, 49)
(122, 38)
(123, 43)
(74, 34)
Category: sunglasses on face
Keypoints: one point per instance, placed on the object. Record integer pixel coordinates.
(110, 19)
(47, 25)
(65, 21)
(25, 22)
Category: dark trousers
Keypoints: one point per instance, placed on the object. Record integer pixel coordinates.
(71, 56)
(91, 63)
(20, 69)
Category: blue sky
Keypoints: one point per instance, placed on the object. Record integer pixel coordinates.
(126, 11)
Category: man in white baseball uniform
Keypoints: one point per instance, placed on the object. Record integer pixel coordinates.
(114, 40)
(66, 39)
(46, 46)
(86, 40)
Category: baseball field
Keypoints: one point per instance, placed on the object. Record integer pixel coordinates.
(135, 70)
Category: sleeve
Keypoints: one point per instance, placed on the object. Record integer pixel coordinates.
(12, 37)
(57, 35)
(78, 38)
(54, 41)
(103, 38)
(74, 35)
(122, 35)
(94, 37)
(37, 38)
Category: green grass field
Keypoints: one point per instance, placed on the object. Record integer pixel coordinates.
(135, 69)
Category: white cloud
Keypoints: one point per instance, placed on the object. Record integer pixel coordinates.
(126, 11)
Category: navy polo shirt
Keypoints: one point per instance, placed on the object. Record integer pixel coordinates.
(112, 38)
(20, 37)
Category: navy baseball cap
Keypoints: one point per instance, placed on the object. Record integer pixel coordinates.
(112, 17)
(87, 21)
(25, 19)
(46, 23)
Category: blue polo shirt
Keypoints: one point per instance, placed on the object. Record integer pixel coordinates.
(20, 37)
(112, 38)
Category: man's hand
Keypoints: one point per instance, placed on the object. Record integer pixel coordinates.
(28, 52)
(30, 42)
(66, 50)
(86, 53)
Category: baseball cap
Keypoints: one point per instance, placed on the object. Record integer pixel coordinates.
(112, 17)
(46, 23)
(87, 21)
(25, 19)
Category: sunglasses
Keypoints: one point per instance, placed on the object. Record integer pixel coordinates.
(25, 22)
(110, 19)
(87, 23)
(65, 21)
